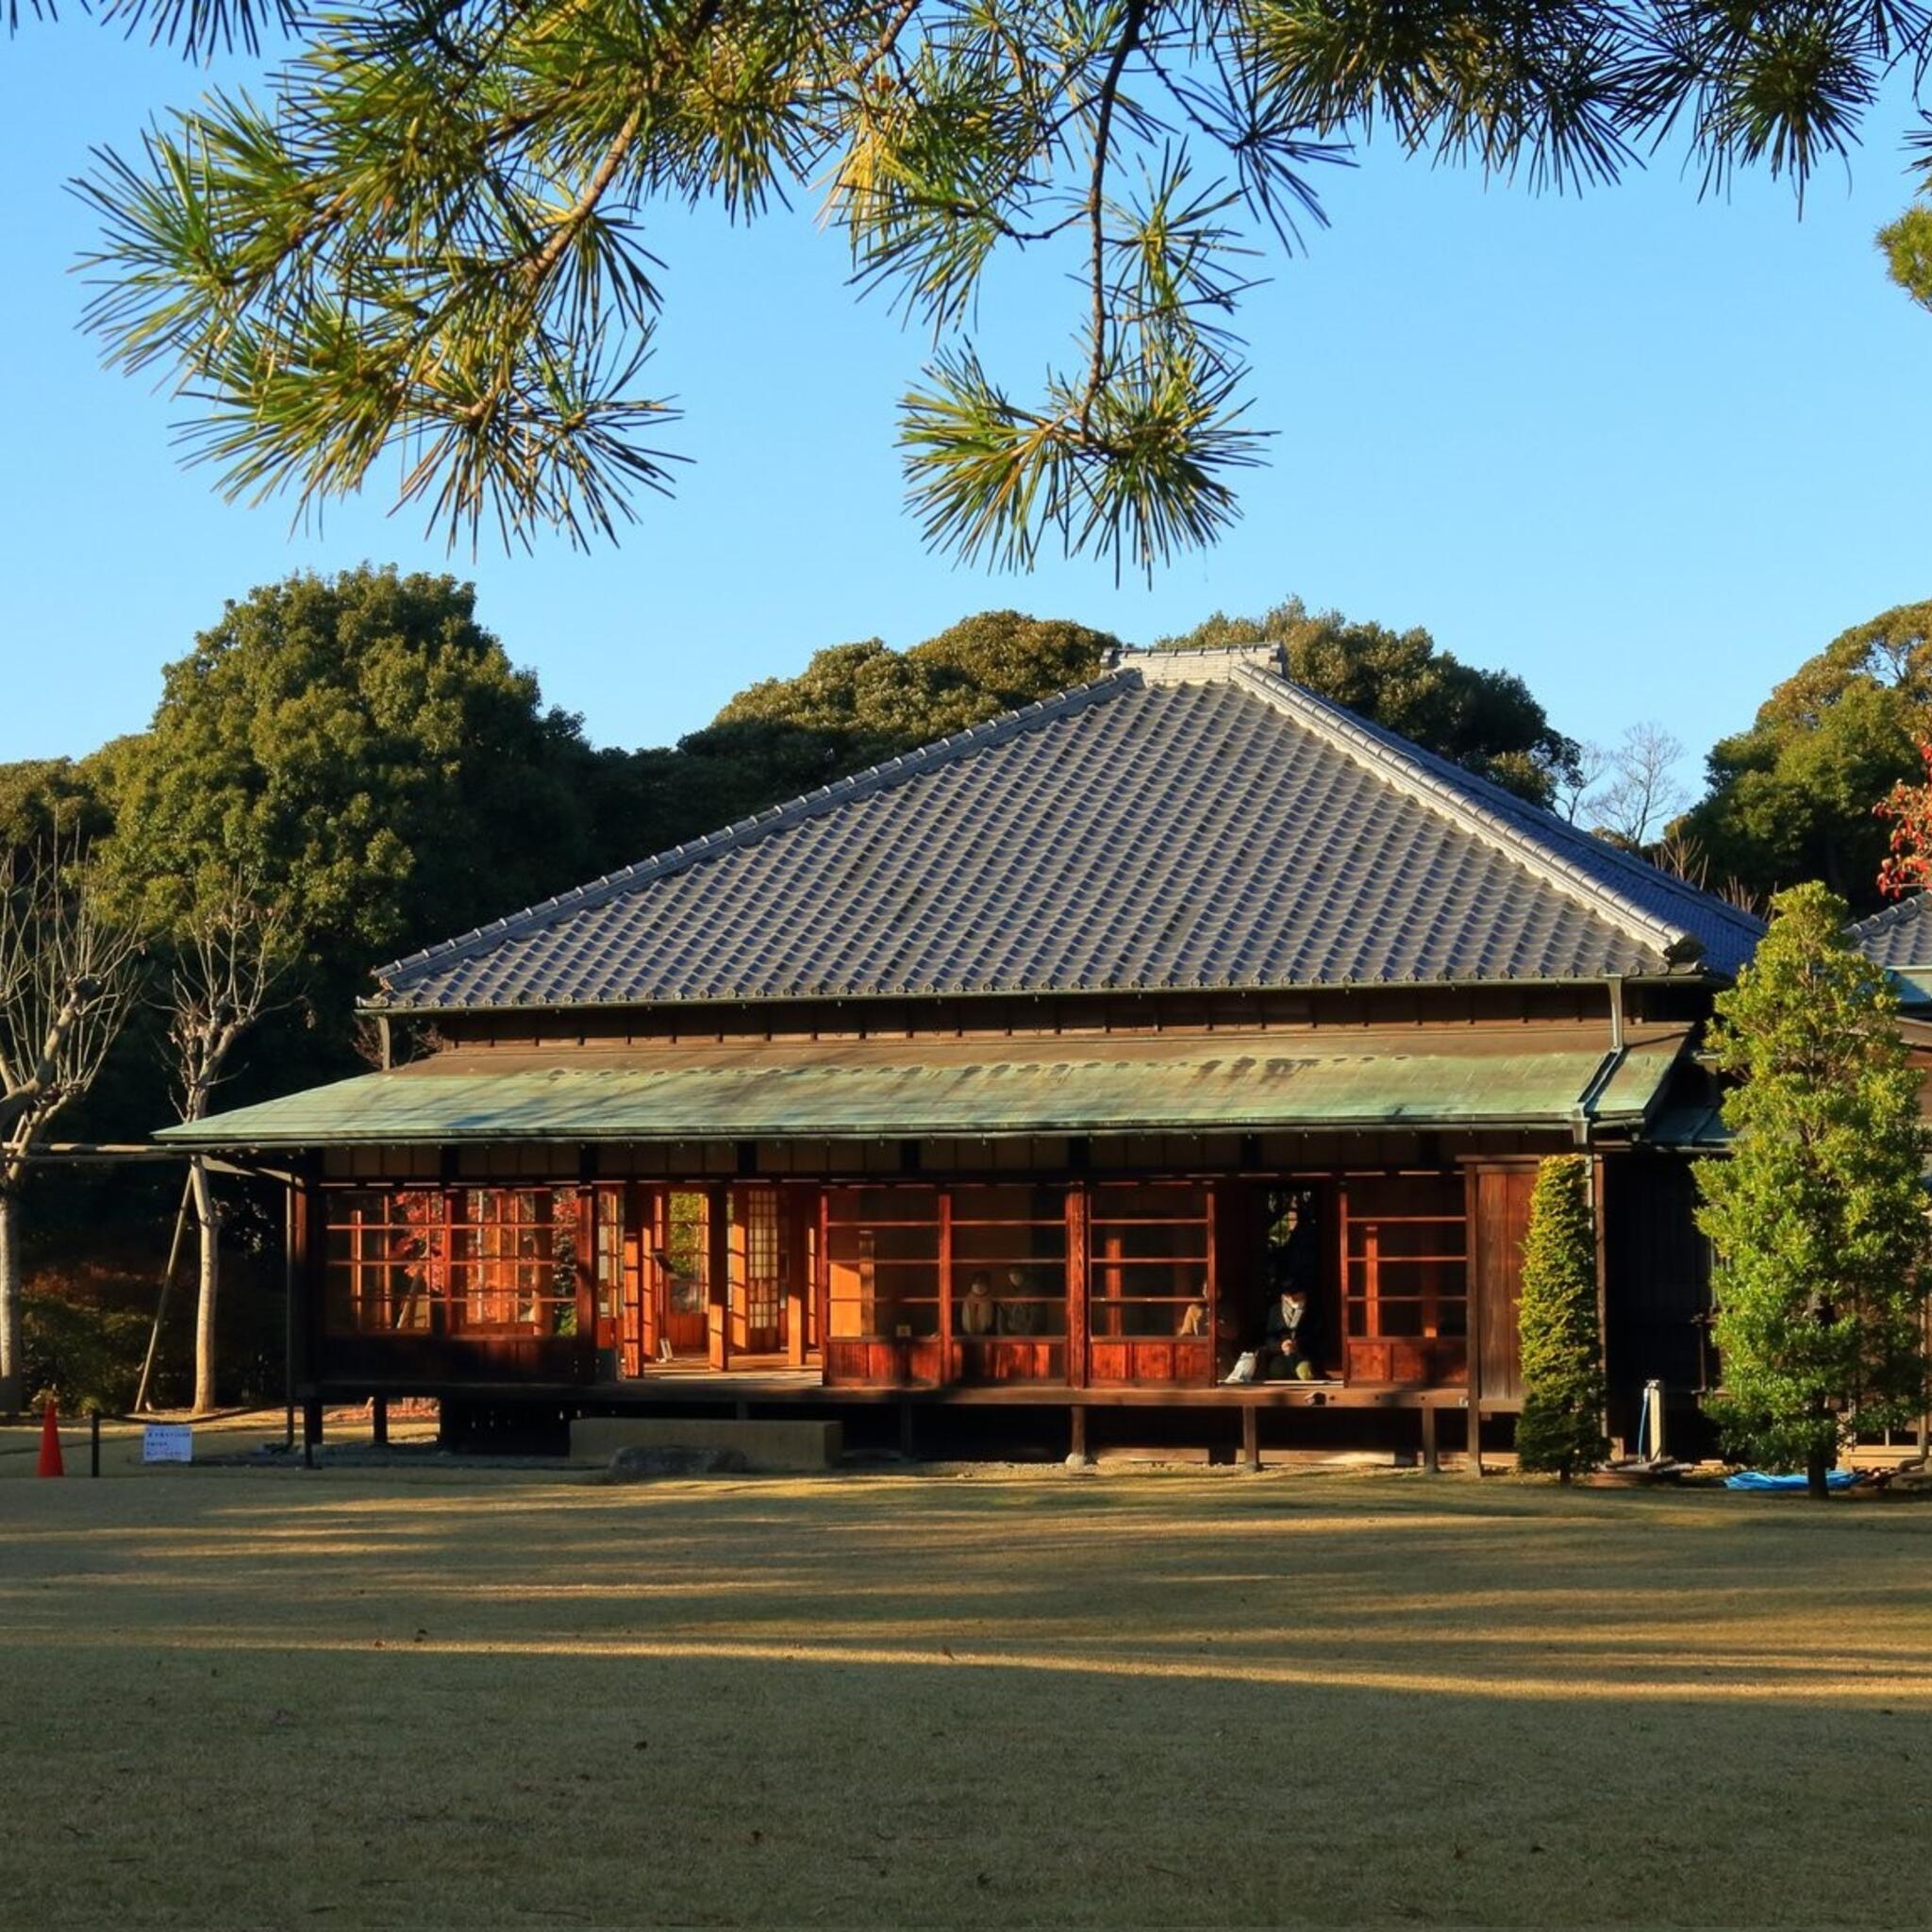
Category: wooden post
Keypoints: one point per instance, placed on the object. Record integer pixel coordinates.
(943, 1204)
(1077, 1274)
(640, 1273)
(794, 1204)
(1212, 1284)
(822, 1279)
(1476, 1313)
(718, 1275)
(1251, 1436)
(311, 1431)
(379, 1421)
(154, 1334)
(1432, 1459)
(1077, 1431)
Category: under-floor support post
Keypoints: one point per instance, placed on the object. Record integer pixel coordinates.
(1475, 1437)
(1432, 1458)
(1077, 1431)
(379, 1421)
(1251, 1436)
(311, 1431)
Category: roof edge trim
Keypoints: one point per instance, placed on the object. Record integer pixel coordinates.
(1411, 775)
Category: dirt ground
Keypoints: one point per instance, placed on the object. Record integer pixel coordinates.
(450, 1697)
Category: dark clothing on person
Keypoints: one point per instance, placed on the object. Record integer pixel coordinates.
(1286, 1336)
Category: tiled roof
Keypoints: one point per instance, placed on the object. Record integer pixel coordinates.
(1175, 824)
(1899, 937)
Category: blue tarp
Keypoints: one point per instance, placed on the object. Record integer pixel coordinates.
(1758, 1479)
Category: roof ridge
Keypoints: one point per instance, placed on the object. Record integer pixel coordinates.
(1887, 916)
(742, 832)
(1410, 768)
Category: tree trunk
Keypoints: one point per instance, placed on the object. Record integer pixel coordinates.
(1815, 1485)
(209, 1230)
(12, 1365)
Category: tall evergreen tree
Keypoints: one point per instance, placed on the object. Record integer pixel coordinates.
(1561, 1427)
(1817, 1214)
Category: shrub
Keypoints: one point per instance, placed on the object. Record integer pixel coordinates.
(1561, 1425)
(82, 1358)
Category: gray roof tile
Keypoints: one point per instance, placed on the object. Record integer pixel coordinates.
(1899, 937)
(1170, 825)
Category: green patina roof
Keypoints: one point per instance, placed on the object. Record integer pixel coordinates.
(821, 1090)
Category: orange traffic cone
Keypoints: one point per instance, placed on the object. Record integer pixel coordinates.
(50, 1443)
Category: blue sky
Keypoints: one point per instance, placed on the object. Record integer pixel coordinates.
(1648, 452)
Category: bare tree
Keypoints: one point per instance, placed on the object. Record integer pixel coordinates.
(1575, 790)
(231, 953)
(1643, 794)
(67, 980)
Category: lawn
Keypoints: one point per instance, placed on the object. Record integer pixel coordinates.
(240, 1698)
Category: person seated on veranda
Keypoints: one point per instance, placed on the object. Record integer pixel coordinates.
(979, 1311)
(1193, 1319)
(1285, 1339)
(1019, 1311)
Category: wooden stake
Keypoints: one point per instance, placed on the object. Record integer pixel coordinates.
(154, 1334)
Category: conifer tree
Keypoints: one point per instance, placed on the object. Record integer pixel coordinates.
(1561, 1425)
(1817, 1214)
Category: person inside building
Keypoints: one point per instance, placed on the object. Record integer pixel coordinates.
(979, 1311)
(1019, 1311)
(1193, 1319)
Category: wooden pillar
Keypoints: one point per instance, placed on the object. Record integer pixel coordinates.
(311, 1431)
(821, 1284)
(794, 1231)
(1077, 1431)
(1473, 1319)
(312, 1282)
(587, 1325)
(718, 1275)
(379, 1421)
(639, 1275)
(1078, 1200)
(1251, 1436)
(944, 1206)
(1432, 1459)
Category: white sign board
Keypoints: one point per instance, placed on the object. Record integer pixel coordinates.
(167, 1442)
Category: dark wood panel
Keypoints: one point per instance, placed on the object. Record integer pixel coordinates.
(1657, 1267)
(1415, 1362)
(1501, 1218)
(458, 1362)
(1008, 1359)
(888, 1364)
(1150, 1360)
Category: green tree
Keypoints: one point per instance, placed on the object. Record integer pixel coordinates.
(1795, 796)
(45, 800)
(1817, 1214)
(367, 757)
(1485, 720)
(856, 705)
(423, 235)
(1561, 1428)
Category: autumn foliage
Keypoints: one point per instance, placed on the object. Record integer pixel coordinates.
(1908, 866)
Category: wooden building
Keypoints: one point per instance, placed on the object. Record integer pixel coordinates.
(1018, 1075)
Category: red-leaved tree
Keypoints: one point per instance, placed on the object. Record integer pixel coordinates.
(1909, 868)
